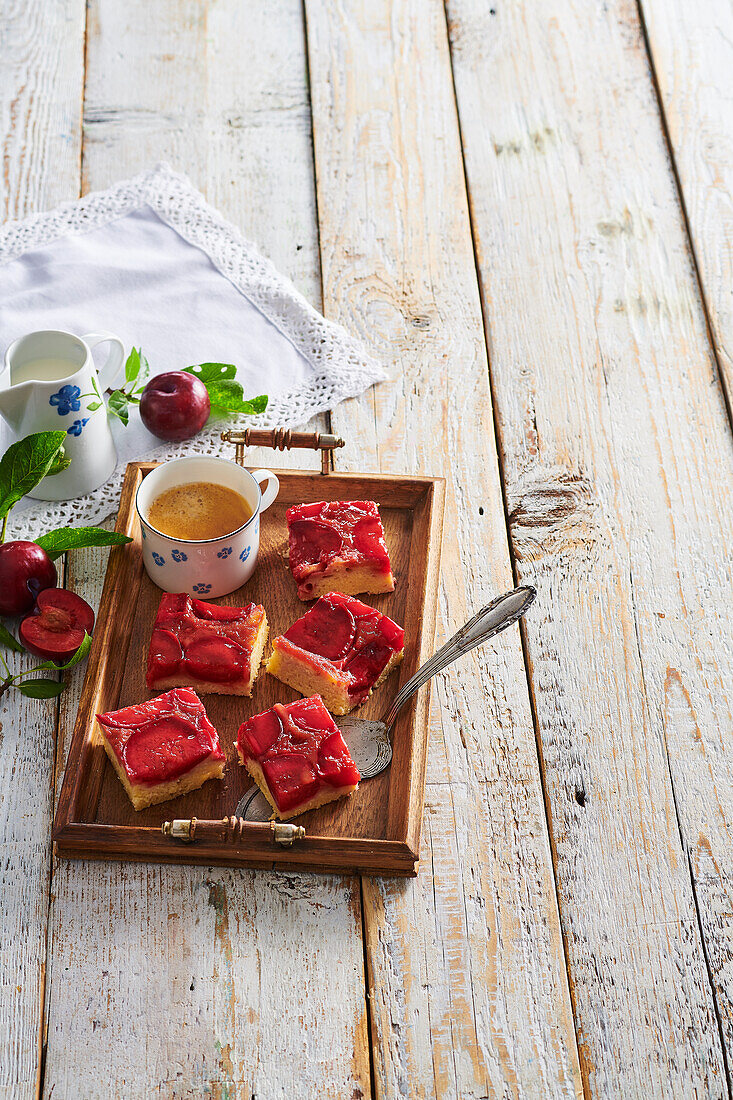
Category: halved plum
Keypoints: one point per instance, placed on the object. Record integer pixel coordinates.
(315, 542)
(214, 612)
(56, 627)
(369, 538)
(367, 665)
(263, 730)
(328, 629)
(292, 779)
(165, 650)
(215, 659)
(334, 760)
(164, 749)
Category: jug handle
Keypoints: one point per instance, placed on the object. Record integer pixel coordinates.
(114, 360)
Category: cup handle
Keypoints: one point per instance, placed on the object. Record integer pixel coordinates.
(113, 361)
(270, 491)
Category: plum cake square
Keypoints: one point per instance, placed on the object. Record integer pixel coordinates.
(340, 648)
(297, 756)
(162, 748)
(338, 546)
(217, 650)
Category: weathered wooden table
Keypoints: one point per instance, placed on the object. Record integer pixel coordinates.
(525, 209)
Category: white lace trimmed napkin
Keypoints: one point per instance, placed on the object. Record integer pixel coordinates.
(152, 262)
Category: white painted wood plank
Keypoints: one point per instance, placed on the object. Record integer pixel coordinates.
(192, 982)
(221, 94)
(467, 979)
(26, 768)
(617, 463)
(41, 87)
(41, 80)
(692, 53)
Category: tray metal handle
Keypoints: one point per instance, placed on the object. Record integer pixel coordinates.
(281, 439)
(233, 830)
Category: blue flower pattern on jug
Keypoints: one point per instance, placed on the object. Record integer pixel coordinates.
(178, 555)
(224, 552)
(245, 553)
(66, 400)
(77, 426)
(202, 589)
(158, 558)
(144, 535)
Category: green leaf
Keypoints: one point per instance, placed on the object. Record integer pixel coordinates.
(226, 394)
(132, 366)
(62, 539)
(94, 406)
(136, 367)
(259, 404)
(41, 688)
(212, 372)
(79, 655)
(118, 406)
(24, 464)
(10, 642)
(227, 397)
(60, 463)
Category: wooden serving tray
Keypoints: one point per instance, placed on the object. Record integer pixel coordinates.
(377, 829)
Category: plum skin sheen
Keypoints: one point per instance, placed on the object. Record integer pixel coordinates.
(175, 406)
(25, 570)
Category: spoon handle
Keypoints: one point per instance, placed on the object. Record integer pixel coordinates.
(490, 620)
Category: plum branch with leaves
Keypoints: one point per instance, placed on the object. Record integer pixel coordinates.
(27, 567)
(225, 394)
(120, 399)
(39, 687)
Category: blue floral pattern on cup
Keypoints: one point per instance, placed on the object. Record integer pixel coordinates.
(158, 558)
(66, 400)
(224, 552)
(202, 589)
(144, 535)
(76, 427)
(245, 553)
(178, 555)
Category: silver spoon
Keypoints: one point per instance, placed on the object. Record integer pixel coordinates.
(368, 739)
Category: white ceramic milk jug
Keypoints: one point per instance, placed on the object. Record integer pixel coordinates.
(50, 383)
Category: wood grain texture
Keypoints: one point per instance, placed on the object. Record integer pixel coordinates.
(41, 88)
(617, 463)
(219, 91)
(41, 82)
(467, 979)
(692, 54)
(26, 810)
(218, 981)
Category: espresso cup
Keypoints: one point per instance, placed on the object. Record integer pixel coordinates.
(204, 567)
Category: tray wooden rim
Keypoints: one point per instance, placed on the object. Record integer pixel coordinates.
(75, 837)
